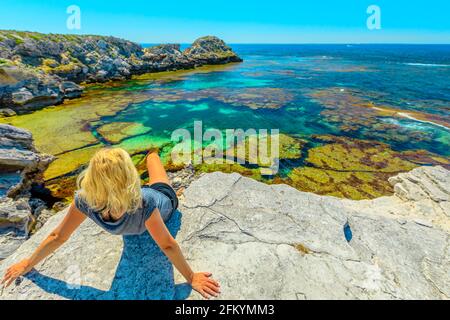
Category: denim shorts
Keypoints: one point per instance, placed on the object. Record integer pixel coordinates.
(168, 191)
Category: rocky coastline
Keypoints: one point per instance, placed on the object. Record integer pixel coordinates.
(39, 70)
(260, 240)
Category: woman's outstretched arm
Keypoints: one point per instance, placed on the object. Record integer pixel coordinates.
(200, 282)
(56, 238)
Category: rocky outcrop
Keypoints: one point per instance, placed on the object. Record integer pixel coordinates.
(261, 242)
(211, 50)
(15, 219)
(204, 51)
(421, 195)
(24, 88)
(18, 155)
(21, 168)
(38, 70)
(166, 57)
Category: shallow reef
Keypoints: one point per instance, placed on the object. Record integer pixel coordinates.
(354, 110)
(254, 98)
(338, 141)
(115, 132)
(355, 169)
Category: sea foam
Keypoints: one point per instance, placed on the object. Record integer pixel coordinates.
(427, 65)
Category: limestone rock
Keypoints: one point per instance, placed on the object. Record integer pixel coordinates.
(5, 112)
(166, 57)
(18, 159)
(43, 217)
(211, 50)
(181, 179)
(17, 154)
(8, 179)
(422, 184)
(71, 90)
(26, 89)
(11, 136)
(21, 167)
(261, 242)
(421, 195)
(16, 150)
(15, 219)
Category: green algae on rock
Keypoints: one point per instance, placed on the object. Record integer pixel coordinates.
(354, 169)
(69, 162)
(345, 154)
(246, 157)
(350, 185)
(69, 124)
(250, 150)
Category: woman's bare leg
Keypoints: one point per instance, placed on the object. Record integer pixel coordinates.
(156, 171)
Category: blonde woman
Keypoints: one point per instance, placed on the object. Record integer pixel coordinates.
(109, 193)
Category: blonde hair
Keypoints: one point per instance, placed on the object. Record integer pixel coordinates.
(111, 184)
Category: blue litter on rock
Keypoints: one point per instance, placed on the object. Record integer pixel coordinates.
(348, 232)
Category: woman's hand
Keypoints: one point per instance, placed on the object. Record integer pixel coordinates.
(205, 285)
(15, 271)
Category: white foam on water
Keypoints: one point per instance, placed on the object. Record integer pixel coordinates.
(406, 115)
(427, 65)
(415, 124)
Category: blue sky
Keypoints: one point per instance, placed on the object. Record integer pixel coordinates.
(244, 21)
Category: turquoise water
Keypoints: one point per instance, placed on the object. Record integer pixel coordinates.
(287, 78)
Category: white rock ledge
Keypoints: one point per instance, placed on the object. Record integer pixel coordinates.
(264, 242)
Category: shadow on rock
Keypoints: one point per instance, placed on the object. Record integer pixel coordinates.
(143, 273)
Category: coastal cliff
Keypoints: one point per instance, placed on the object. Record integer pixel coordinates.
(38, 70)
(264, 242)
